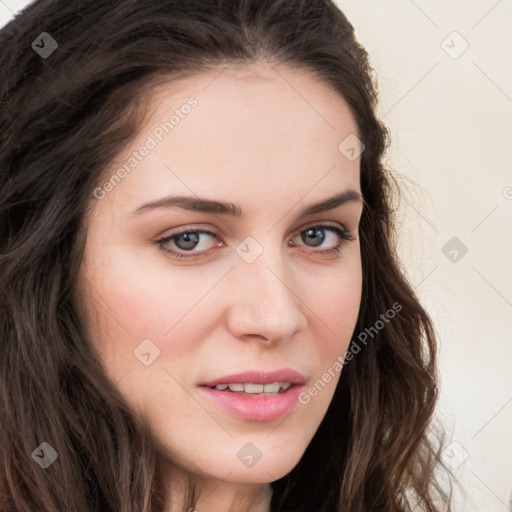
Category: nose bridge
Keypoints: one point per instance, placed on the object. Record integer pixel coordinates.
(265, 303)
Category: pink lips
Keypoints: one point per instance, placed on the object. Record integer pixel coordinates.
(259, 377)
(256, 407)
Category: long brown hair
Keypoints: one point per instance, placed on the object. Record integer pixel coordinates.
(64, 115)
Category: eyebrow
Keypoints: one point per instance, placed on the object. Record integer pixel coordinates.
(204, 205)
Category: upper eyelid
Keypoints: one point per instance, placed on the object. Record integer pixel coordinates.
(216, 232)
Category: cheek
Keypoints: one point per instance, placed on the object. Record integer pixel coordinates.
(336, 300)
(134, 303)
(335, 305)
(135, 295)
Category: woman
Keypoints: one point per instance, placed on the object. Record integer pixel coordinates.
(202, 306)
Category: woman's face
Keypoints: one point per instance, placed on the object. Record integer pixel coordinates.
(256, 292)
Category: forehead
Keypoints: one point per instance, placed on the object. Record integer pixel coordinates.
(257, 92)
(232, 130)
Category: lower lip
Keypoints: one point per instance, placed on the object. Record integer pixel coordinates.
(255, 407)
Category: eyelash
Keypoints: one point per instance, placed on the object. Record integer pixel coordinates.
(343, 236)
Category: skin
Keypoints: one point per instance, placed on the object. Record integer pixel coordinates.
(256, 141)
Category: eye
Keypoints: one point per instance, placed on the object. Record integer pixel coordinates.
(316, 235)
(184, 243)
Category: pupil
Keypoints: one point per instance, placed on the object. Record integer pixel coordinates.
(314, 233)
(191, 240)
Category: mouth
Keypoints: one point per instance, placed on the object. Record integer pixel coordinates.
(252, 402)
(274, 388)
(254, 379)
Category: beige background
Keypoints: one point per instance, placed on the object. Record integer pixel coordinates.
(450, 115)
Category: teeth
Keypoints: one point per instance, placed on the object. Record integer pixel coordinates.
(236, 387)
(274, 387)
(253, 388)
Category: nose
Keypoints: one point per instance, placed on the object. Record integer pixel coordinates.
(263, 303)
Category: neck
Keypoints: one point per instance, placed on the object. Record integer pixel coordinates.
(213, 495)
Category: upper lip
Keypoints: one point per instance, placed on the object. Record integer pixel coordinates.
(259, 377)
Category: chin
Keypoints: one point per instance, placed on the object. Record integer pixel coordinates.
(268, 468)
